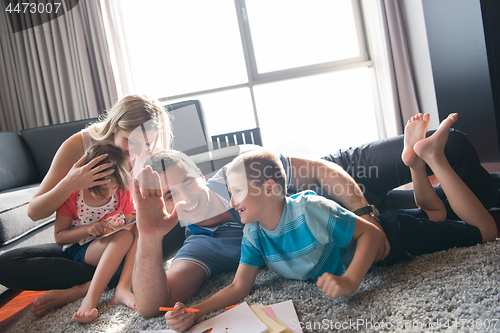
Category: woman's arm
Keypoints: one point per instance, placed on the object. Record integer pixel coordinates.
(65, 176)
(240, 288)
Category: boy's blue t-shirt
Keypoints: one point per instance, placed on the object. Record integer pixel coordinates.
(307, 241)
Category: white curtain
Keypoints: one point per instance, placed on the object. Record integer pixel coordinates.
(55, 72)
(117, 42)
(392, 65)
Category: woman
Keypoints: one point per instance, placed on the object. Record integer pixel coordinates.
(136, 124)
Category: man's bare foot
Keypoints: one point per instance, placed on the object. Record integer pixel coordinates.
(83, 317)
(124, 296)
(415, 130)
(433, 146)
(57, 298)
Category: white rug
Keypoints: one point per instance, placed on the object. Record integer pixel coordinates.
(445, 291)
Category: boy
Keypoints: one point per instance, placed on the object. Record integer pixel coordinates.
(272, 241)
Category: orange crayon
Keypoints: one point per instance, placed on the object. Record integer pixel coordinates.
(230, 307)
(172, 309)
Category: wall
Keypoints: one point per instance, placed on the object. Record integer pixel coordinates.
(459, 64)
(418, 46)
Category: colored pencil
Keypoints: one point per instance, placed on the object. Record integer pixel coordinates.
(185, 309)
(230, 307)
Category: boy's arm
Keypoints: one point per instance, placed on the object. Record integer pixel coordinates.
(240, 288)
(368, 241)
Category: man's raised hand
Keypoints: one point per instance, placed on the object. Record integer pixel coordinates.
(152, 215)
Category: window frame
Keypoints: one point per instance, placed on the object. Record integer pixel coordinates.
(255, 78)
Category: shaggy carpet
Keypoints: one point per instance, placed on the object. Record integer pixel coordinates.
(454, 290)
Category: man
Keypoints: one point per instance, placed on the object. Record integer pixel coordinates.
(214, 234)
(214, 237)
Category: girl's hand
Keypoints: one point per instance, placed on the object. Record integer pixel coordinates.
(335, 286)
(83, 176)
(179, 320)
(99, 228)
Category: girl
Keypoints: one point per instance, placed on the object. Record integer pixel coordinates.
(90, 213)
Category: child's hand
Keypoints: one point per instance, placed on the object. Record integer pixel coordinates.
(179, 320)
(99, 228)
(335, 286)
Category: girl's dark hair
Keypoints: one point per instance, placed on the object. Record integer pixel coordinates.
(116, 155)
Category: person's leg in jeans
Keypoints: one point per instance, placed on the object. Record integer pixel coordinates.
(378, 169)
(47, 267)
(42, 267)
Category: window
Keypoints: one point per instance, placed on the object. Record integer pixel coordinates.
(298, 70)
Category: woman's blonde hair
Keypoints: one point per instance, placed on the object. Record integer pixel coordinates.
(131, 112)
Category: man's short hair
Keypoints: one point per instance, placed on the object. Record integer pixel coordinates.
(163, 159)
(260, 166)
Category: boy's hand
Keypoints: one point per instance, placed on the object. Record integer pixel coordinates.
(179, 320)
(335, 286)
(99, 228)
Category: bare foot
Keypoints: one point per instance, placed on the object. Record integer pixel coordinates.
(57, 298)
(83, 317)
(414, 131)
(88, 309)
(124, 296)
(433, 146)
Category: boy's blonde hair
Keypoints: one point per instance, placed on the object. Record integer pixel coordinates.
(116, 155)
(129, 113)
(260, 166)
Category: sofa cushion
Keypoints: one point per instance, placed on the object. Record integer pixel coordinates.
(14, 220)
(17, 166)
(44, 141)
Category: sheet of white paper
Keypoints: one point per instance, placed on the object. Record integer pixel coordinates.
(239, 319)
(286, 312)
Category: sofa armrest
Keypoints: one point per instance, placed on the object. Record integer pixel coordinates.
(44, 141)
(17, 166)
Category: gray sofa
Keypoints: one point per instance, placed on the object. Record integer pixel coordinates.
(26, 158)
